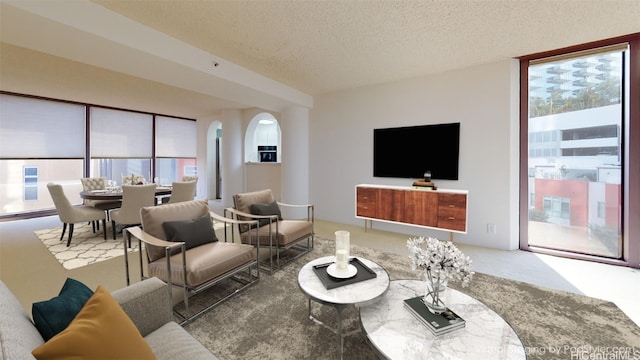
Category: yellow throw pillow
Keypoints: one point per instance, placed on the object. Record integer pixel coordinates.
(101, 330)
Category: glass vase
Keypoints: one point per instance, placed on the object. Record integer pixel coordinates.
(435, 286)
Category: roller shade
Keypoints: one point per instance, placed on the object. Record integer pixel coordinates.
(175, 138)
(36, 128)
(120, 134)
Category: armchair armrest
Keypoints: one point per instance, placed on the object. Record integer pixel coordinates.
(310, 209)
(149, 239)
(147, 303)
(219, 218)
(146, 238)
(248, 215)
(294, 205)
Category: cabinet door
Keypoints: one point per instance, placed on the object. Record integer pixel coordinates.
(391, 205)
(366, 202)
(452, 211)
(421, 208)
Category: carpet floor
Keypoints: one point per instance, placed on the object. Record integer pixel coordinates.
(269, 320)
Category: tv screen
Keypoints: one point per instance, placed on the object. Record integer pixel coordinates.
(408, 152)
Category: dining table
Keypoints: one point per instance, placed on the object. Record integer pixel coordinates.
(115, 194)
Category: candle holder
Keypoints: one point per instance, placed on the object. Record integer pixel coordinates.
(342, 250)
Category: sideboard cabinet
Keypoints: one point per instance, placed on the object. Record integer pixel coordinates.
(438, 209)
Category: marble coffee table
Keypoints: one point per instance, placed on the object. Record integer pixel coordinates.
(396, 334)
(358, 294)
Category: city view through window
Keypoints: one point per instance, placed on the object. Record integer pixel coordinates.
(575, 154)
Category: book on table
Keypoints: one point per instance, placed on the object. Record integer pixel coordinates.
(438, 324)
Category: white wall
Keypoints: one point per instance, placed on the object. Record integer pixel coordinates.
(481, 98)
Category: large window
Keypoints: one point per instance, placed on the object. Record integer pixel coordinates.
(44, 140)
(175, 149)
(579, 178)
(41, 141)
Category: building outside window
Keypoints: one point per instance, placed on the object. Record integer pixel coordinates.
(30, 183)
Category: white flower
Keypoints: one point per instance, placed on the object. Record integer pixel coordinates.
(441, 258)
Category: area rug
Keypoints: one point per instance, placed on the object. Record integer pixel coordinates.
(269, 320)
(86, 246)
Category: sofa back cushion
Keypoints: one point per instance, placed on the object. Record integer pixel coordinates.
(17, 332)
(152, 218)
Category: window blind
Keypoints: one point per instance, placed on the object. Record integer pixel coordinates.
(120, 134)
(36, 128)
(175, 138)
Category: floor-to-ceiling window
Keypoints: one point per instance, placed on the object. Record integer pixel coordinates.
(579, 122)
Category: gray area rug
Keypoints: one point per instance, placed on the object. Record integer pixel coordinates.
(269, 320)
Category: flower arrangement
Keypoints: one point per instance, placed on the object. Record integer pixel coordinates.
(441, 258)
(438, 261)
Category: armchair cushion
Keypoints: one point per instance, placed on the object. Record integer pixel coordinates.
(193, 232)
(100, 329)
(266, 209)
(52, 316)
(206, 262)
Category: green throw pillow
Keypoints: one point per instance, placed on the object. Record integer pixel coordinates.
(265, 209)
(193, 233)
(52, 316)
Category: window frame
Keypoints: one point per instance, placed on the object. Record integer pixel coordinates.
(631, 173)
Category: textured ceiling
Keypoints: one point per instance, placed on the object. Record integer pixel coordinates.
(324, 46)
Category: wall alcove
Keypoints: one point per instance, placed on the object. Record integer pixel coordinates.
(262, 149)
(262, 139)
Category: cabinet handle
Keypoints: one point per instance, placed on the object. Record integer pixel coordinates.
(451, 218)
(451, 206)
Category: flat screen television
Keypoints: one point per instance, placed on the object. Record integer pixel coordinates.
(408, 152)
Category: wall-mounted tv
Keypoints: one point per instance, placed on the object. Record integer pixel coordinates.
(408, 152)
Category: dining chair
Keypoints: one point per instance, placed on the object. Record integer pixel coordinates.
(72, 214)
(98, 183)
(134, 198)
(181, 191)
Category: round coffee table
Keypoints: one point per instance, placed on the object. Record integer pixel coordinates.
(396, 334)
(358, 294)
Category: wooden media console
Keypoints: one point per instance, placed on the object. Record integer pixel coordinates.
(441, 209)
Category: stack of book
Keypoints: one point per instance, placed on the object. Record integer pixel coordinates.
(424, 185)
(438, 324)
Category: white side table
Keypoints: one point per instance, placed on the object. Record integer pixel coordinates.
(358, 294)
(396, 334)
